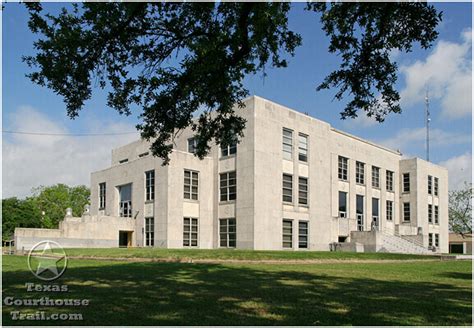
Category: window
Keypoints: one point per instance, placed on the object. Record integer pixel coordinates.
(303, 191)
(102, 192)
(191, 184)
(302, 234)
(149, 185)
(229, 150)
(149, 231)
(342, 204)
(430, 239)
(436, 239)
(287, 188)
(360, 212)
(375, 211)
(389, 178)
(342, 168)
(436, 214)
(406, 212)
(228, 186)
(190, 232)
(227, 232)
(436, 186)
(360, 168)
(287, 234)
(143, 154)
(192, 145)
(375, 177)
(125, 196)
(430, 213)
(406, 182)
(303, 147)
(389, 210)
(430, 184)
(287, 143)
(123, 161)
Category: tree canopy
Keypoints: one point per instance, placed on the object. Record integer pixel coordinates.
(460, 210)
(173, 59)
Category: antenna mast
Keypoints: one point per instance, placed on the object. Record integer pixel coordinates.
(427, 119)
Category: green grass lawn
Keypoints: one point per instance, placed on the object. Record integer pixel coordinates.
(234, 254)
(151, 293)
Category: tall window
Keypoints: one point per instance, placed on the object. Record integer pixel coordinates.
(125, 195)
(389, 210)
(229, 149)
(287, 143)
(360, 212)
(190, 232)
(375, 211)
(389, 178)
(228, 186)
(227, 232)
(192, 145)
(406, 182)
(342, 204)
(149, 231)
(360, 172)
(342, 168)
(436, 214)
(287, 188)
(303, 147)
(375, 177)
(150, 185)
(102, 192)
(406, 212)
(287, 234)
(436, 239)
(302, 191)
(430, 239)
(436, 186)
(430, 184)
(302, 234)
(191, 184)
(430, 213)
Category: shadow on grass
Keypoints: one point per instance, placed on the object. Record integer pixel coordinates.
(212, 294)
(457, 275)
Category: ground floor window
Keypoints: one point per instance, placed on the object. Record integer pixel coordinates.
(227, 232)
(149, 231)
(303, 234)
(190, 232)
(430, 239)
(287, 234)
(436, 239)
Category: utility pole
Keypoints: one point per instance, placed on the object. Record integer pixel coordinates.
(427, 119)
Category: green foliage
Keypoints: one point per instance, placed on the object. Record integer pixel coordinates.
(460, 210)
(19, 213)
(173, 59)
(54, 200)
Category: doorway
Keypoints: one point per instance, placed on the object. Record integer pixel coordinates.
(125, 238)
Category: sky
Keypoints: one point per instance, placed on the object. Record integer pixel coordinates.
(30, 161)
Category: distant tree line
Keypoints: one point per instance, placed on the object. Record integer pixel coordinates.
(43, 209)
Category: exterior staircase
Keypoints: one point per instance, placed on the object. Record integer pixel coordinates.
(397, 244)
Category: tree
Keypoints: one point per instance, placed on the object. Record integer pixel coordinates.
(54, 200)
(460, 210)
(172, 59)
(19, 213)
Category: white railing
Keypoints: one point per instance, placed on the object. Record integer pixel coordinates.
(391, 232)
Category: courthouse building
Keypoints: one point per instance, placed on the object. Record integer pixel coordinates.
(292, 183)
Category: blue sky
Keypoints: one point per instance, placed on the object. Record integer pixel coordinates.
(447, 67)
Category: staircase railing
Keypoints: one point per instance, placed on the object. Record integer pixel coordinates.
(391, 232)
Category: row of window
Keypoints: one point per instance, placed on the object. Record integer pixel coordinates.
(433, 240)
(343, 169)
(288, 189)
(225, 150)
(287, 237)
(433, 218)
(288, 145)
(227, 232)
(227, 185)
(433, 189)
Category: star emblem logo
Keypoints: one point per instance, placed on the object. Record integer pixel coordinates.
(47, 260)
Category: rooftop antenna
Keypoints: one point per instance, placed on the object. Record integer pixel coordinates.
(427, 119)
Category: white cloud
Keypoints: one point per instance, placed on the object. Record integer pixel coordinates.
(448, 75)
(31, 160)
(460, 170)
(415, 138)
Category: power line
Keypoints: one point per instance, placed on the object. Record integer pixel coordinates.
(68, 134)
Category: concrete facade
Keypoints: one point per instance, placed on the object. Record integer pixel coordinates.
(259, 165)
